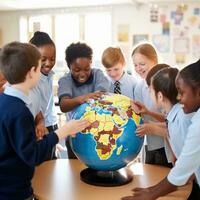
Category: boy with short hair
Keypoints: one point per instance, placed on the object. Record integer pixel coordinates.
(20, 151)
(114, 63)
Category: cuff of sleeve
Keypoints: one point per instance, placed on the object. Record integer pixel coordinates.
(53, 138)
(175, 180)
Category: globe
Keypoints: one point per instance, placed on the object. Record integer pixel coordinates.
(110, 142)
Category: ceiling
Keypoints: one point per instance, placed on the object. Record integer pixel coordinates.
(6, 5)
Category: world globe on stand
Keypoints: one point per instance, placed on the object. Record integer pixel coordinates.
(110, 142)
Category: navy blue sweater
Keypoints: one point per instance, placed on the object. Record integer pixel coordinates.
(19, 150)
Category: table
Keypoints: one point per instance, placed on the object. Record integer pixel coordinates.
(60, 180)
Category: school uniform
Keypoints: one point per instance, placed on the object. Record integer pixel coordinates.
(189, 159)
(177, 124)
(20, 151)
(68, 86)
(127, 85)
(34, 103)
(155, 151)
(45, 87)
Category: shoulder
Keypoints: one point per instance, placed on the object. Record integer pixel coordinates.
(99, 75)
(131, 78)
(66, 78)
(196, 116)
(15, 107)
(140, 85)
(97, 72)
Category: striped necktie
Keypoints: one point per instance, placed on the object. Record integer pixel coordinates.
(117, 89)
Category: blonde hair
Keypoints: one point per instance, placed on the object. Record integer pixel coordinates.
(147, 50)
(112, 56)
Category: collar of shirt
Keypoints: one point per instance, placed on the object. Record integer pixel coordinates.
(122, 80)
(88, 82)
(9, 90)
(46, 77)
(173, 112)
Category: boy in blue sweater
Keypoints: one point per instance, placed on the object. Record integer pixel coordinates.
(20, 152)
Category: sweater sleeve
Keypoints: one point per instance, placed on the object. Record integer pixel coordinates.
(23, 140)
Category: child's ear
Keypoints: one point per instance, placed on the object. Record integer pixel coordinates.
(160, 96)
(32, 72)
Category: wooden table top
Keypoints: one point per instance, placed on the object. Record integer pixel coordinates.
(60, 180)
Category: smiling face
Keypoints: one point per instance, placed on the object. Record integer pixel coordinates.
(48, 57)
(187, 96)
(81, 69)
(142, 64)
(115, 72)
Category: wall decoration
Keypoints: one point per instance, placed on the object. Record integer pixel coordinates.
(166, 28)
(161, 42)
(123, 33)
(181, 8)
(193, 20)
(180, 32)
(154, 14)
(178, 18)
(36, 26)
(181, 45)
(196, 11)
(196, 46)
(180, 58)
(140, 38)
(172, 14)
(163, 18)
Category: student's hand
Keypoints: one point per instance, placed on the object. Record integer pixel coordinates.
(145, 128)
(40, 130)
(71, 128)
(86, 97)
(140, 194)
(139, 108)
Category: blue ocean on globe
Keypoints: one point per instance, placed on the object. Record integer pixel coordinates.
(110, 142)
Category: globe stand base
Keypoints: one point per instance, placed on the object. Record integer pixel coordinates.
(106, 178)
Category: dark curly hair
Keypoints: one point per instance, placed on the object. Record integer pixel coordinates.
(77, 50)
(40, 39)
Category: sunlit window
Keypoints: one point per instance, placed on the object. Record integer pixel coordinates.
(98, 33)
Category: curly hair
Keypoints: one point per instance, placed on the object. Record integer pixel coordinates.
(77, 50)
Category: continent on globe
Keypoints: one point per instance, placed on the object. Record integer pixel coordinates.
(110, 142)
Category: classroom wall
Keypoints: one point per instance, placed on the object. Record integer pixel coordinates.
(135, 20)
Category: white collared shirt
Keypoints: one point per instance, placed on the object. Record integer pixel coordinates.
(178, 123)
(45, 87)
(127, 85)
(142, 94)
(9, 90)
(189, 159)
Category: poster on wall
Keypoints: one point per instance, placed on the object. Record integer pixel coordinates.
(161, 42)
(137, 38)
(154, 15)
(123, 33)
(196, 46)
(166, 28)
(181, 45)
(180, 58)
